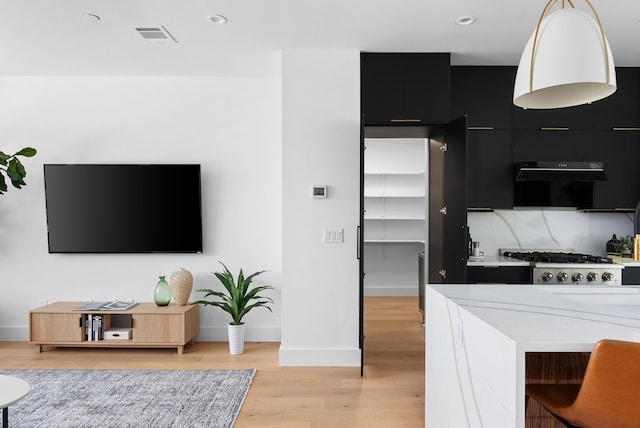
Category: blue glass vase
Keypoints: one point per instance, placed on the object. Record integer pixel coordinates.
(162, 294)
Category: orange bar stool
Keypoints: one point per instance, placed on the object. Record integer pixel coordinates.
(609, 395)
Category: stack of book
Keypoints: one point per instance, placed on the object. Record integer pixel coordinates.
(96, 324)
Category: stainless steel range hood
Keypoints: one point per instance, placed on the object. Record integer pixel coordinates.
(559, 171)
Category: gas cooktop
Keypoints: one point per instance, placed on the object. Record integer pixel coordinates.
(559, 257)
(550, 267)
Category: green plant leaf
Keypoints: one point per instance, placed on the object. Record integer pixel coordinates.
(16, 173)
(27, 152)
(18, 166)
(239, 298)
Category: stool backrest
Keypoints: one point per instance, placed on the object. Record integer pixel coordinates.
(610, 392)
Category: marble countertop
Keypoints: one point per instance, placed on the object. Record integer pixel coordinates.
(552, 318)
(626, 261)
(496, 261)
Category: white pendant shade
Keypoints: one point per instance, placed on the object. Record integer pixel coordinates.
(569, 64)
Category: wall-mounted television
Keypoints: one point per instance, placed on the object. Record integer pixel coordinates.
(98, 208)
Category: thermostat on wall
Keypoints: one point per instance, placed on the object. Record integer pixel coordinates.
(320, 192)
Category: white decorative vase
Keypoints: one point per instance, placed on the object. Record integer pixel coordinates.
(181, 284)
(236, 338)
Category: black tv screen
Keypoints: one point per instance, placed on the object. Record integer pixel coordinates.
(123, 208)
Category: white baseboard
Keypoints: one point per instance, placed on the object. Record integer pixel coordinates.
(252, 334)
(319, 357)
(14, 334)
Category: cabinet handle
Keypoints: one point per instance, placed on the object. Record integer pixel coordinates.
(481, 128)
(557, 128)
(406, 120)
(625, 129)
(80, 321)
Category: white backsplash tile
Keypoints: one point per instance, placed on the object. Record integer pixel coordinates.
(547, 229)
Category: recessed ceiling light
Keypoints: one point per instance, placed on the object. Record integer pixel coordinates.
(218, 19)
(466, 20)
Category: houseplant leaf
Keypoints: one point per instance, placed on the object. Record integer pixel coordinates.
(239, 296)
(11, 166)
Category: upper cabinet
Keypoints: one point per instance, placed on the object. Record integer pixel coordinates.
(484, 94)
(422, 88)
(620, 152)
(489, 170)
(562, 119)
(405, 88)
(621, 110)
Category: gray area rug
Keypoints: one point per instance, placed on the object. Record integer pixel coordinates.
(130, 398)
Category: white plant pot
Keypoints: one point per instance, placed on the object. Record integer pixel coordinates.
(236, 338)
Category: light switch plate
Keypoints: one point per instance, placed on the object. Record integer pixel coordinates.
(332, 236)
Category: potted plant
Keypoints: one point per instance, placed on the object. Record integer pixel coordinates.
(624, 246)
(237, 300)
(11, 166)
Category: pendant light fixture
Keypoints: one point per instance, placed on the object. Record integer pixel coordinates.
(567, 61)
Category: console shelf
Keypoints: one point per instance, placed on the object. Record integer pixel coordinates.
(59, 325)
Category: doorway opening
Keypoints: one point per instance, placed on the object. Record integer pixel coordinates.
(394, 200)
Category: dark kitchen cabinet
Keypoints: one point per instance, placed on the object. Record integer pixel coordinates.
(405, 88)
(499, 275)
(618, 111)
(622, 109)
(484, 94)
(631, 275)
(554, 146)
(489, 170)
(568, 118)
(620, 152)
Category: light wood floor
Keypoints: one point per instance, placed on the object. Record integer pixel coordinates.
(391, 394)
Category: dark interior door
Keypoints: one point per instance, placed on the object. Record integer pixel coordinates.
(447, 216)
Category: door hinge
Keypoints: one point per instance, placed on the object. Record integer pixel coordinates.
(444, 147)
(443, 273)
(443, 210)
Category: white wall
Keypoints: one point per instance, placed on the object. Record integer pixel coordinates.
(391, 269)
(321, 134)
(542, 228)
(232, 126)
(262, 143)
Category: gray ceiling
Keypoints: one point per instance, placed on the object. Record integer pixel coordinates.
(53, 37)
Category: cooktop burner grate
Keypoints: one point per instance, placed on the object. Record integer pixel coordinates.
(551, 257)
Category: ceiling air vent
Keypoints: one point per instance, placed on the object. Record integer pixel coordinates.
(157, 34)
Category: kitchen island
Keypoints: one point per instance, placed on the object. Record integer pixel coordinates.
(478, 336)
